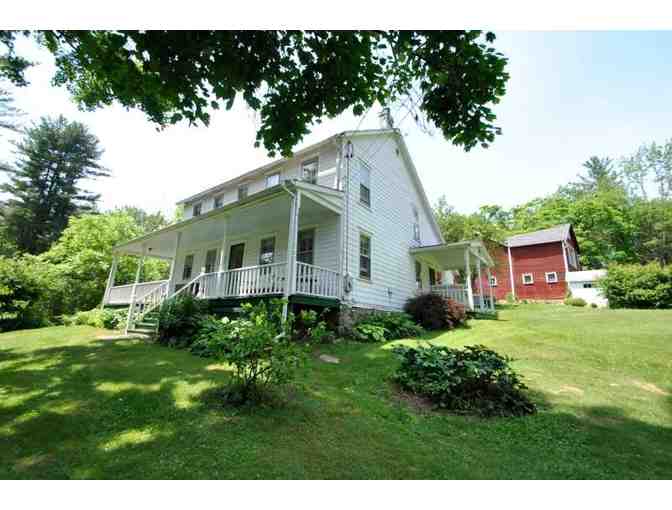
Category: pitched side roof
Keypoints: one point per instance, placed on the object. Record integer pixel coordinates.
(547, 235)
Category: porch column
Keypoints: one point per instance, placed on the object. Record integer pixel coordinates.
(292, 240)
(492, 299)
(172, 278)
(467, 277)
(110, 280)
(481, 301)
(131, 305)
(221, 281)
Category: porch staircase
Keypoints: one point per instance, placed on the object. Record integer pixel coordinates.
(148, 325)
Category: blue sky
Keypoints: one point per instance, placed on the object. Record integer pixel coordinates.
(571, 95)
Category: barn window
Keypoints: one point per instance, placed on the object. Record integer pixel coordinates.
(493, 281)
(552, 277)
(528, 279)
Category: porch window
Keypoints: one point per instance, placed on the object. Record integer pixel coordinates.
(309, 170)
(306, 244)
(210, 260)
(365, 185)
(416, 224)
(198, 207)
(272, 179)
(364, 256)
(243, 191)
(418, 275)
(188, 267)
(552, 277)
(432, 276)
(267, 251)
(493, 281)
(219, 201)
(528, 279)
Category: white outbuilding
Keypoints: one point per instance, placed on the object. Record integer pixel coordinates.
(583, 284)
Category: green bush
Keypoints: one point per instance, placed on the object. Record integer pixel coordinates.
(635, 286)
(22, 304)
(179, 319)
(208, 328)
(396, 325)
(473, 380)
(575, 301)
(433, 311)
(260, 348)
(369, 333)
(312, 327)
(107, 319)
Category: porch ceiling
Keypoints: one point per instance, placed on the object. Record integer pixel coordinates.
(451, 255)
(263, 212)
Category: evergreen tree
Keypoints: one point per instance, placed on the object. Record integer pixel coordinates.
(52, 159)
(8, 112)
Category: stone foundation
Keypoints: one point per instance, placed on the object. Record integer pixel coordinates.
(349, 315)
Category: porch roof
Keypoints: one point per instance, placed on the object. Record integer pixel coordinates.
(262, 208)
(451, 255)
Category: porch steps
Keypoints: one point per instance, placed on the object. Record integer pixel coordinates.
(147, 326)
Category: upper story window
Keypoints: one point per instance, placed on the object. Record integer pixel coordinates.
(198, 208)
(243, 191)
(219, 201)
(306, 244)
(364, 256)
(416, 224)
(188, 267)
(365, 184)
(267, 251)
(272, 179)
(309, 170)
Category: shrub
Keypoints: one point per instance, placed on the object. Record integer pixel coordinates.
(179, 320)
(473, 380)
(396, 325)
(369, 333)
(635, 286)
(575, 301)
(108, 319)
(260, 349)
(207, 329)
(593, 305)
(433, 311)
(312, 327)
(21, 296)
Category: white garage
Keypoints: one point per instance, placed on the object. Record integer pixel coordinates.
(583, 284)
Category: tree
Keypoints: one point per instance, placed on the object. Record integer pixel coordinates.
(292, 79)
(652, 220)
(650, 164)
(148, 222)
(54, 156)
(8, 112)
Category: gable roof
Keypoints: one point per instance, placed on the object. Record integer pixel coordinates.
(547, 235)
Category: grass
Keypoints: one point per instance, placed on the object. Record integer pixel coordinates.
(74, 406)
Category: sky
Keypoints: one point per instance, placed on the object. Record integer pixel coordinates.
(571, 95)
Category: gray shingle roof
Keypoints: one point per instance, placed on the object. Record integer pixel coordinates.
(548, 235)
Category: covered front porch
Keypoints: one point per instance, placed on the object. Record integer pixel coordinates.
(280, 242)
(472, 260)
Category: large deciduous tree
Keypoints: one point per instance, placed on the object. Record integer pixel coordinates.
(54, 156)
(292, 79)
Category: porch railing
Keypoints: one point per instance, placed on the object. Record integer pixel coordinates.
(121, 294)
(317, 281)
(262, 280)
(453, 292)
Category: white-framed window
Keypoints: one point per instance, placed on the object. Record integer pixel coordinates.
(272, 179)
(364, 256)
(528, 279)
(306, 246)
(493, 281)
(243, 191)
(552, 277)
(210, 260)
(219, 201)
(365, 184)
(572, 258)
(188, 267)
(198, 208)
(267, 251)
(416, 223)
(309, 170)
(418, 275)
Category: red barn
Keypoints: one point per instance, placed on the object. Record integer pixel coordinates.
(537, 263)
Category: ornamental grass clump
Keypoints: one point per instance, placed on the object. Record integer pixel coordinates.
(474, 380)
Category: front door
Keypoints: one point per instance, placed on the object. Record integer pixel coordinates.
(236, 253)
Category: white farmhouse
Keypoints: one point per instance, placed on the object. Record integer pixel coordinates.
(344, 223)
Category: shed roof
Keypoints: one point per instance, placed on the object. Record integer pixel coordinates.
(547, 235)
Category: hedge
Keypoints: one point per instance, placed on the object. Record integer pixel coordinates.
(638, 286)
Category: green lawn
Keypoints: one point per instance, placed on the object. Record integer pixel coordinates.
(74, 406)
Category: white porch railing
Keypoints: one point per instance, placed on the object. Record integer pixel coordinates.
(453, 292)
(142, 304)
(244, 282)
(317, 281)
(121, 294)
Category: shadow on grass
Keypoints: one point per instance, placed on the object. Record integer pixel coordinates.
(129, 409)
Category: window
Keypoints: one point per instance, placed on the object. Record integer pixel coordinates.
(432, 276)
(188, 267)
(528, 279)
(219, 201)
(236, 255)
(198, 207)
(365, 185)
(418, 275)
(306, 243)
(309, 171)
(267, 251)
(416, 224)
(571, 256)
(587, 285)
(552, 277)
(493, 281)
(210, 260)
(364, 256)
(243, 190)
(273, 180)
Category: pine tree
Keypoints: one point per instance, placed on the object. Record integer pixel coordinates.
(8, 112)
(53, 157)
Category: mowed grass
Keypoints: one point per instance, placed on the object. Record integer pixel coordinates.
(74, 406)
